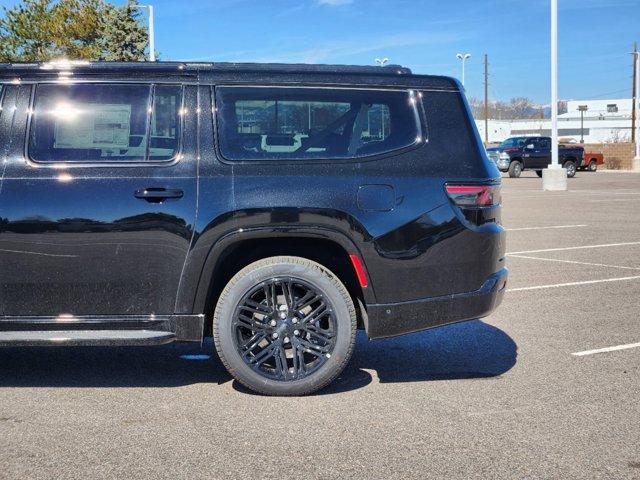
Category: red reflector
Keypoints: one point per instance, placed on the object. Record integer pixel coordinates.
(474, 195)
(359, 268)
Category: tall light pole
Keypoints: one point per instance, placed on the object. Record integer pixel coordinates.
(463, 57)
(554, 177)
(554, 84)
(636, 160)
(152, 39)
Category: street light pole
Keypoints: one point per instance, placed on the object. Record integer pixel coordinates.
(636, 160)
(463, 57)
(554, 177)
(152, 37)
(554, 84)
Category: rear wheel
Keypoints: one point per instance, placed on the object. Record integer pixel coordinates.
(593, 166)
(284, 326)
(571, 168)
(539, 173)
(515, 169)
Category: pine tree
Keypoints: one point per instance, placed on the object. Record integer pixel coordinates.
(123, 36)
(41, 30)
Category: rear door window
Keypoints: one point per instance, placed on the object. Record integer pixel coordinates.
(105, 123)
(307, 123)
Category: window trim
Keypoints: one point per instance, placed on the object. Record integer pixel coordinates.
(3, 91)
(418, 110)
(66, 164)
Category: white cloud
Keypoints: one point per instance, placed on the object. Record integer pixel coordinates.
(335, 2)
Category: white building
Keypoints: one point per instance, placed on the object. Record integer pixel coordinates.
(605, 121)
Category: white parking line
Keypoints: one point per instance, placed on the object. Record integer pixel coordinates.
(572, 284)
(574, 248)
(607, 349)
(542, 228)
(574, 261)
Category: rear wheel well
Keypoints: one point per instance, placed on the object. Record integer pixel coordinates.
(240, 254)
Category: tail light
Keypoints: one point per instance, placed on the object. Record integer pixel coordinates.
(474, 195)
(479, 203)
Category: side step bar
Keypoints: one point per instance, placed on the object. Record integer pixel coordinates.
(95, 338)
(117, 330)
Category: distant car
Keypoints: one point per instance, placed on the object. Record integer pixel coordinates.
(517, 154)
(591, 161)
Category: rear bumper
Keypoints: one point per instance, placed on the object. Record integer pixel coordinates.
(388, 320)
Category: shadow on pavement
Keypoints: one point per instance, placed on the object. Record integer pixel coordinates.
(464, 350)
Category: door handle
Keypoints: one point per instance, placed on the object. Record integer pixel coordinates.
(158, 194)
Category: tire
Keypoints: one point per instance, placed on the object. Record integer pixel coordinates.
(593, 166)
(539, 173)
(571, 168)
(515, 169)
(277, 341)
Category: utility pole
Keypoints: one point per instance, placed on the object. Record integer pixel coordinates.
(634, 93)
(486, 99)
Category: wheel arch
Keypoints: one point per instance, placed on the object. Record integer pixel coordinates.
(328, 247)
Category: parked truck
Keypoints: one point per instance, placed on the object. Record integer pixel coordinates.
(591, 160)
(517, 154)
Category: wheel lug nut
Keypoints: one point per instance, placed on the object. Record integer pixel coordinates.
(274, 335)
(294, 320)
(296, 332)
(286, 339)
(273, 323)
(283, 315)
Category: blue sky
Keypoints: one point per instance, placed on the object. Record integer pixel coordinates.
(595, 38)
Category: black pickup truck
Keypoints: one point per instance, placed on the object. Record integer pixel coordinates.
(533, 153)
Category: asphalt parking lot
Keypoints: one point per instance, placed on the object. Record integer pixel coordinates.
(504, 397)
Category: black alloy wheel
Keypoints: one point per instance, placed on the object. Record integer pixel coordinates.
(284, 326)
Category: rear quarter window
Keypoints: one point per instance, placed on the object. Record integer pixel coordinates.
(452, 148)
(313, 123)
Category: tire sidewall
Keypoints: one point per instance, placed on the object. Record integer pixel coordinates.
(249, 278)
(593, 166)
(571, 164)
(515, 169)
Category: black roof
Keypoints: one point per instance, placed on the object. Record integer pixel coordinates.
(388, 74)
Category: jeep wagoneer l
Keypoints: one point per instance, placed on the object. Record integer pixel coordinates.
(277, 208)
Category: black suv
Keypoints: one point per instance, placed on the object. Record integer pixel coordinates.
(275, 207)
